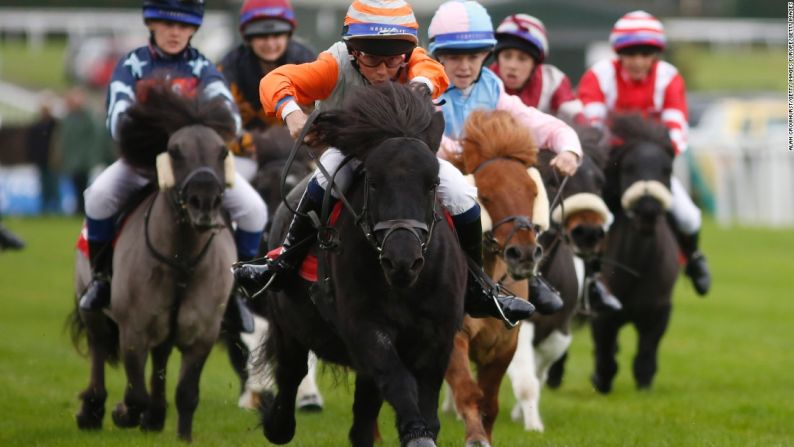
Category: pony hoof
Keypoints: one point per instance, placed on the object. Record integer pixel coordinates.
(277, 428)
(153, 420)
(90, 420)
(311, 403)
(123, 418)
(602, 386)
(421, 442)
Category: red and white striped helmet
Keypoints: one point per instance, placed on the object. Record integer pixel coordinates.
(528, 29)
(637, 28)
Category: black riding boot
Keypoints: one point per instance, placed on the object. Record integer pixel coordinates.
(97, 294)
(696, 267)
(297, 243)
(9, 240)
(482, 295)
(597, 296)
(238, 317)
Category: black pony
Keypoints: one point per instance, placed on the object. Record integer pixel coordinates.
(641, 246)
(398, 277)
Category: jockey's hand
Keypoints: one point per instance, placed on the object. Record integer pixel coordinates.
(566, 163)
(420, 87)
(295, 122)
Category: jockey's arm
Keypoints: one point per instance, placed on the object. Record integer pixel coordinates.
(593, 100)
(422, 68)
(549, 132)
(284, 89)
(121, 95)
(675, 114)
(214, 85)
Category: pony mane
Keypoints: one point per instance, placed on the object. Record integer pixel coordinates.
(496, 134)
(372, 115)
(159, 112)
(632, 129)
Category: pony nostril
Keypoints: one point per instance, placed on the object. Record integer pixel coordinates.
(513, 253)
(417, 264)
(194, 202)
(537, 253)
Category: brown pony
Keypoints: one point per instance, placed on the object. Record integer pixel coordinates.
(498, 152)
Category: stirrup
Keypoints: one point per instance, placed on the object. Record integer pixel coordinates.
(268, 262)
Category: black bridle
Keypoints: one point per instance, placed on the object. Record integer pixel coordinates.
(519, 222)
(182, 265)
(422, 231)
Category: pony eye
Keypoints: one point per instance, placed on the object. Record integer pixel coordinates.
(175, 153)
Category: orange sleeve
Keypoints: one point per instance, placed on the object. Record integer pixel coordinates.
(422, 65)
(303, 83)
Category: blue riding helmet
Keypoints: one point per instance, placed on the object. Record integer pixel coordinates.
(189, 12)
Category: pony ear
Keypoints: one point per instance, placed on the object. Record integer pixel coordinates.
(229, 173)
(165, 171)
(434, 132)
(540, 212)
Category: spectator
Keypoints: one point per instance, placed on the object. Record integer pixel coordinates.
(39, 140)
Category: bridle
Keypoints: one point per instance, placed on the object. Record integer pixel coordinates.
(519, 222)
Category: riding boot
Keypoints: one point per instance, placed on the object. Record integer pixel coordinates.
(597, 296)
(696, 267)
(297, 243)
(10, 240)
(483, 298)
(97, 294)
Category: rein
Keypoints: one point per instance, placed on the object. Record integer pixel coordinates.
(183, 266)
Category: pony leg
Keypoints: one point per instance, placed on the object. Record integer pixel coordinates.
(136, 398)
(465, 391)
(395, 382)
(238, 356)
(429, 382)
(489, 377)
(278, 413)
(101, 339)
(556, 372)
(523, 376)
(309, 397)
(187, 390)
(260, 379)
(153, 418)
(604, 330)
(549, 351)
(366, 406)
(650, 330)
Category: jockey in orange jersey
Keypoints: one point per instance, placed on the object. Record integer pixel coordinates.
(266, 27)
(638, 81)
(379, 45)
(522, 46)
(172, 24)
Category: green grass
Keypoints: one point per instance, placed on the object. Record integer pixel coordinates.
(732, 69)
(725, 375)
(34, 68)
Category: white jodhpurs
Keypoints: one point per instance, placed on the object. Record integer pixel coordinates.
(684, 211)
(116, 184)
(454, 192)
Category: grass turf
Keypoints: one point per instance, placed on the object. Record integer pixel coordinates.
(725, 376)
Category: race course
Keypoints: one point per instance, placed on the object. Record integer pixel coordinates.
(726, 368)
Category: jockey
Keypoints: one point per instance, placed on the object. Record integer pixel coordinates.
(521, 49)
(638, 81)
(171, 23)
(461, 38)
(379, 45)
(266, 27)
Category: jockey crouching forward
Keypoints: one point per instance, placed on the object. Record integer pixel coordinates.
(461, 38)
(522, 48)
(638, 82)
(379, 45)
(172, 23)
(266, 27)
